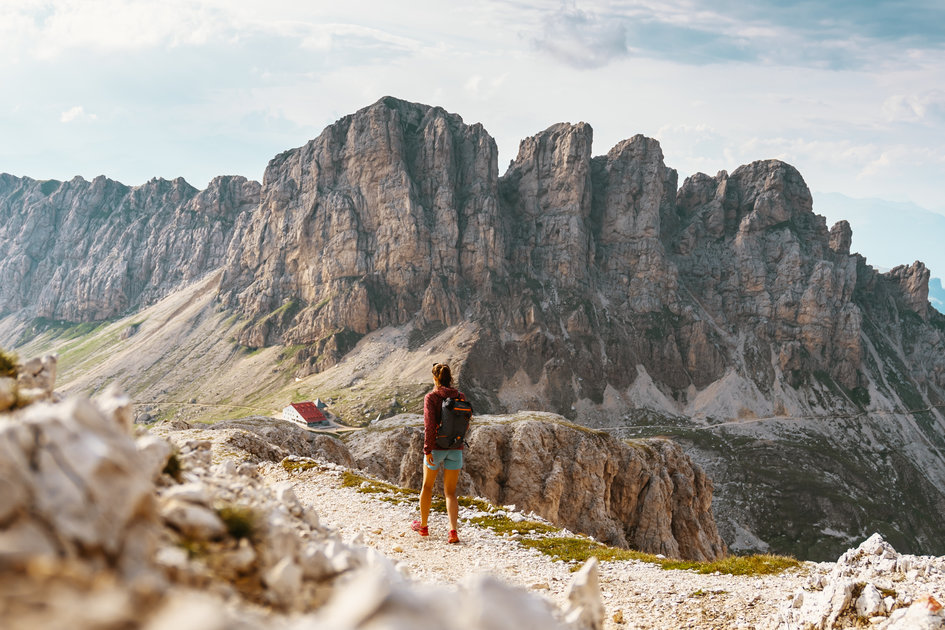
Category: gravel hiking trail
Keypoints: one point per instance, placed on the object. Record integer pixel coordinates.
(636, 594)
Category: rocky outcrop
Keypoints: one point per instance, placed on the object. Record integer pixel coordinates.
(863, 588)
(85, 251)
(647, 495)
(22, 384)
(366, 226)
(759, 259)
(272, 440)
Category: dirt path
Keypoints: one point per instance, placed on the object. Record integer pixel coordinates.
(643, 594)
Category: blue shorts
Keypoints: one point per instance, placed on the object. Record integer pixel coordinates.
(448, 459)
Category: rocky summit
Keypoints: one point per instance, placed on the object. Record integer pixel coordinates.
(721, 312)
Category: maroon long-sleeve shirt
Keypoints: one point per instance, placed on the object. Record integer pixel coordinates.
(432, 407)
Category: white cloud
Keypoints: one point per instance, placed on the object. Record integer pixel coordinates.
(76, 113)
(915, 107)
(472, 84)
(582, 38)
(699, 130)
(325, 37)
(49, 29)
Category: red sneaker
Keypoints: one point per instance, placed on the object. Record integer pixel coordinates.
(420, 529)
(454, 537)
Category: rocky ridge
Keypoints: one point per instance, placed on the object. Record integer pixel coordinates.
(86, 251)
(577, 268)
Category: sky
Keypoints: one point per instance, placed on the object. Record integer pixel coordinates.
(851, 92)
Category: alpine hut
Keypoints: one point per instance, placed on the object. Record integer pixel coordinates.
(306, 413)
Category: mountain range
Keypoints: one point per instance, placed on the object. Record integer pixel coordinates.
(721, 312)
(889, 233)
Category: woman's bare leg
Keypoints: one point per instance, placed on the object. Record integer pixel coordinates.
(426, 493)
(450, 480)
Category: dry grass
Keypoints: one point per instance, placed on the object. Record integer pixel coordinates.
(575, 550)
(8, 364)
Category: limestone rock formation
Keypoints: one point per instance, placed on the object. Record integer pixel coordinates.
(274, 440)
(862, 589)
(86, 251)
(365, 226)
(28, 382)
(647, 495)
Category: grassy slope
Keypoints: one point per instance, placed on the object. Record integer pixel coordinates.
(178, 358)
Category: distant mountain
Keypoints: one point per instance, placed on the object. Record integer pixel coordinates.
(892, 233)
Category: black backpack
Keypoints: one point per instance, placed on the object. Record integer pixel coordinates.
(455, 414)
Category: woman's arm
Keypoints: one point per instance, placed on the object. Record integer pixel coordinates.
(431, 422)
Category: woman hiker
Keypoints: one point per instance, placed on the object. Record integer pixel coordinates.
(449, 460)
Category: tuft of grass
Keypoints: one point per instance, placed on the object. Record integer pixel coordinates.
(240, 521)
(579, 549)
(476, 504)
(8, 364)
(505, 525)
(291, 465)
(194, 549)
(372, 486)
(757, 564)
(351, 480)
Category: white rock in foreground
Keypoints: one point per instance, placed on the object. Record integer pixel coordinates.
(870, 584)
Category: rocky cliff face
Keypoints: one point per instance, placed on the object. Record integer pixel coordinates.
(85, 251)
(597, 287)
(389, 215)
(646, 495)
